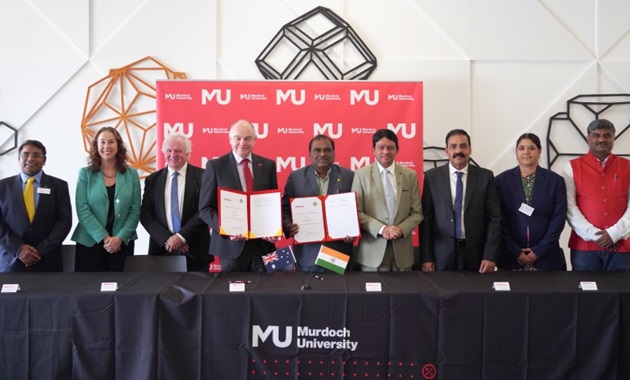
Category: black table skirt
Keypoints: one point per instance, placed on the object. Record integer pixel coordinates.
(420, 326)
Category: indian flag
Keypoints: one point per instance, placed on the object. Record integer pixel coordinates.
(332, 260)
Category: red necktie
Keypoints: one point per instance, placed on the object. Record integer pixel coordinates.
(247, 173)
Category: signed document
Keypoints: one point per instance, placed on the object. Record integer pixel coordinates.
(254, 215)
(325, 218)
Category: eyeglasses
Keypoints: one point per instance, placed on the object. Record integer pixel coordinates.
(26, 155)
(247, 139)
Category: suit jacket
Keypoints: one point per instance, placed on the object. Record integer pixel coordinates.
(92, 205)
(303, 183)
(482, 219)
(153, 217)
(51, 224)
(373, 214)
(549, 201)
(222, 172)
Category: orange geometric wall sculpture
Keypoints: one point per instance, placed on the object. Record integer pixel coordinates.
(125, 100)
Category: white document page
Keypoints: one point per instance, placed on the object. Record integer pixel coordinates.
(308, 214)
(341, 215)
(265, 214)
(232, 213)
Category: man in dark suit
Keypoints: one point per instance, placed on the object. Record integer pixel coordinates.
(462, 219)
(35, 215)
(321, 177)
(233, 171)
(176, 230)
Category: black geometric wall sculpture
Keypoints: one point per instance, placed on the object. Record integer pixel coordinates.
(8, 130)
(564, 125)
(315, 40)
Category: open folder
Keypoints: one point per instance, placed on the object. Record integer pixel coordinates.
(325, 217)
(254, 214)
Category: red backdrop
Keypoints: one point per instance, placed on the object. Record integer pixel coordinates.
(287, 114)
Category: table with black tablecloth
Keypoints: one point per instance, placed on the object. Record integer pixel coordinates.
(419, 326)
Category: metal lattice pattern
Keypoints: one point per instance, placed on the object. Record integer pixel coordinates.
(125, 100)
(319, 40)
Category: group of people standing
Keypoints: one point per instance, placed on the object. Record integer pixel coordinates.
(469, 220)
(473, 221)
(37, 216)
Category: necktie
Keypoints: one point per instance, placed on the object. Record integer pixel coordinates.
(390, 197)
(247, 173)
(177, 223)
(29, 198)
(459, 194)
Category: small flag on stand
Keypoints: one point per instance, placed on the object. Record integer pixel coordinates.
(279, 259)
(332, 260)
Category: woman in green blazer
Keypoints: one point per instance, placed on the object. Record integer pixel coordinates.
(108, 206)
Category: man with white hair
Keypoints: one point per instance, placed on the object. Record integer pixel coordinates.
(240, 169)
(170, 207)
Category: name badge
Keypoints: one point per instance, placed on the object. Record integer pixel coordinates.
(526, 209)
(43, 190)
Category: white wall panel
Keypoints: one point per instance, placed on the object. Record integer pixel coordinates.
(182, 36)
(453, 18)
(73, 25)
(576, 16)
(108, 17)
(401, 30)
(612, 24)
(508, 97)
(618, 74)
(520, 30)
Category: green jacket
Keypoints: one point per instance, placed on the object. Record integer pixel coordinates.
(92, 206)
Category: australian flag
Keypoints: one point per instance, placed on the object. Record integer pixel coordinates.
(279, 259)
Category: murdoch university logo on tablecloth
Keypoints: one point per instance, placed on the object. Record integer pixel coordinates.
(306, 337)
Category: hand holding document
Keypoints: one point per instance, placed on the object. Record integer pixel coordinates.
(253, 215)
(325, 218)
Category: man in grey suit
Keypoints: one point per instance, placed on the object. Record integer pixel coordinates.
(462, 217)
(389, 208)
(33, 227)
(176, 229)
(321, 177)
(231, 171)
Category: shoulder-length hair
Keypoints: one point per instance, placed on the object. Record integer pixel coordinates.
(94, 159)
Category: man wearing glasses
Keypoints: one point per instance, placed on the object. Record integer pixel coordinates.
(35, 215)
(241, 170)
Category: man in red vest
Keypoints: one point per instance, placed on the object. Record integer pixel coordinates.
(598, 186)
